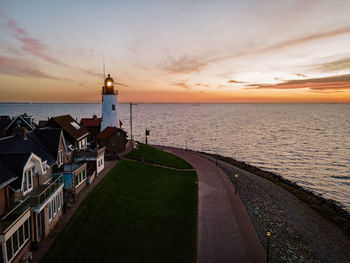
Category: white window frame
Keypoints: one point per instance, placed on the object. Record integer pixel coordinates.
(26, 176)
(60, 157)
(81, 178)
(50, 212)
(19, 246)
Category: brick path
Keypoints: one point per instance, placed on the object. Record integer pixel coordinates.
(225, 233)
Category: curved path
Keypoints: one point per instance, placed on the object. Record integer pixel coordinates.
(225, 233)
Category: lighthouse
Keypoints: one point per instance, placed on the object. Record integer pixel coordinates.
(109, 105)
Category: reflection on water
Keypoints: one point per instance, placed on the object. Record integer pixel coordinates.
(306, 143)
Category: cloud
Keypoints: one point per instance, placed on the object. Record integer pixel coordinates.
(31, 45)
(202, 85)
(339, 64)
(183, 64)
(300, 40)
(188, 64)
(234, 81)
(332, 83)
(17, 67)
(121, 84)
(90, 72)
(182, 85)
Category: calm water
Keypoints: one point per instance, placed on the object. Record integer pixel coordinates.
(306, 143)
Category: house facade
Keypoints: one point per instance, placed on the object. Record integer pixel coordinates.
(93, 126)
(29, 199)
(75, 134)
(113, 139)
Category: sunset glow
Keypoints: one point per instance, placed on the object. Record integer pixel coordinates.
(176, 51)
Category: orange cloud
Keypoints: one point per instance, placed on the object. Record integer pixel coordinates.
(183, 64)
(234, 81)
(182, 85)
(326, 84)
(22, 67)
(187, 64)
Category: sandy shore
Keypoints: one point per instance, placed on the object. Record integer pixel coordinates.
(299, 233)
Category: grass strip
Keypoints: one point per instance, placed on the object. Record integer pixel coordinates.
(138, 213)
(150, 154)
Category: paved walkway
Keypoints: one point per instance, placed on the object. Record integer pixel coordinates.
(45, 245)
(225, 233)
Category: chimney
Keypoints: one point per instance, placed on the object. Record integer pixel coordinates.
(20, 131)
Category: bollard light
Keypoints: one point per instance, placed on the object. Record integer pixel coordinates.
(236, 183)
(268, 235)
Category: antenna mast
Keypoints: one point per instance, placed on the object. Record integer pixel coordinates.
(104, 74)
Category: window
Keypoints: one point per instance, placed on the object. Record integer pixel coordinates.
(28, 179)
(59, 200)
(21, 235)
(26, 230)
(60, 157)
(50, 211)
(25, 184)
(75, 125)
(9, 248)
(54, 206)
(113, 107)
(17, 240)
(44, 167)
(30, 174)
(80, 177)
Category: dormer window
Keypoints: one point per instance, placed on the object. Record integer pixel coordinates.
(113, 107)
(60, 157)
(28, 180)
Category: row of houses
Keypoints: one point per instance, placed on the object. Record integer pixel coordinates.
(42, 168)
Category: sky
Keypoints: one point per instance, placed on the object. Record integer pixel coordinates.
(248, 51)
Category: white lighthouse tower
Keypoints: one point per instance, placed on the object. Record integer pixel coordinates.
(109, 105)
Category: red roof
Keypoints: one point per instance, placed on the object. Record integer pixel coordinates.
(108, 132)
(91, 122)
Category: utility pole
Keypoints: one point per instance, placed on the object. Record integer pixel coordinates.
(131, 122)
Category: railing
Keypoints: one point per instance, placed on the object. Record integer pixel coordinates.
(17, 211)
(46, 194)
(84, 154)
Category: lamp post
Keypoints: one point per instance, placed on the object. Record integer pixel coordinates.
(147, 135)
(236, 183)
(268, 234)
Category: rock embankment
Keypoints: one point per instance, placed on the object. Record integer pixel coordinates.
(299, 233)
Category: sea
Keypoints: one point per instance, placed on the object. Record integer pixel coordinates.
(308, 144)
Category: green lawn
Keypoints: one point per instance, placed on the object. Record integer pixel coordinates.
(153, 155)
(138, 213)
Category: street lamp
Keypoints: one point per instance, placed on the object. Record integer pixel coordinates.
(236, 183)
(147, 135)
(268, 234)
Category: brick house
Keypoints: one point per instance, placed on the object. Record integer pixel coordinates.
(75, 134)
(35, 208)
(93, 126)
(113, 139)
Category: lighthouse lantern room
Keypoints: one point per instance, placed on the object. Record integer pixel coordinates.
(109, 104)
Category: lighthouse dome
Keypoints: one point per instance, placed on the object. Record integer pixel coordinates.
(109, 86)
(109, 82)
